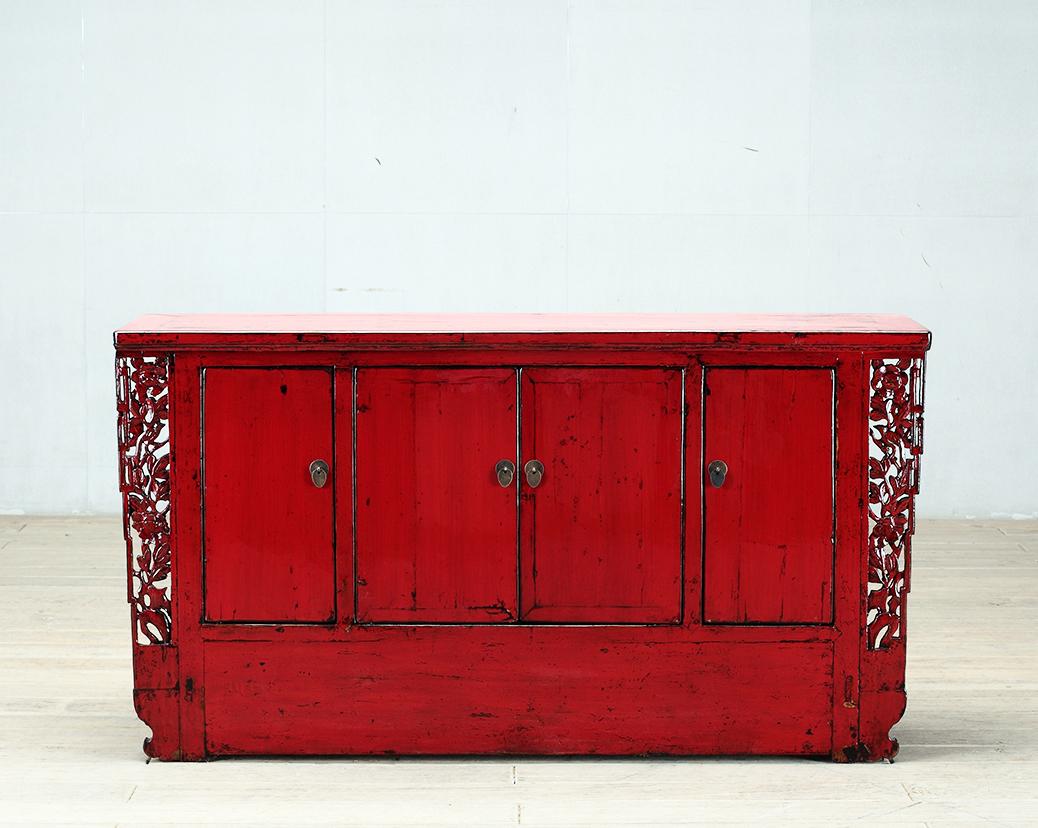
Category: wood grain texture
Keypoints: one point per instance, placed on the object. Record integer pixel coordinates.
(186, 483)
(268, 530)
(769, 528)
(602, 531)
(436, 533)
(430, 691)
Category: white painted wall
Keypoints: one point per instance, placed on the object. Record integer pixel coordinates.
(537, 156)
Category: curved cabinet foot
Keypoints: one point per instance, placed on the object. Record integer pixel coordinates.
(880, 711)
(158, 709)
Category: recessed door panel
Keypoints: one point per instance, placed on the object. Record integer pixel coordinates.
(602, 526)
(268, 526)
(436, 529)
(768, 554)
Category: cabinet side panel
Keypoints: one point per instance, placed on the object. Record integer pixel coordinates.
(894, 450)
(144, 404)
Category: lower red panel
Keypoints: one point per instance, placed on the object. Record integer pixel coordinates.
(558, 691)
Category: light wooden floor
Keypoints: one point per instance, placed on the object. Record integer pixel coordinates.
(70, 742)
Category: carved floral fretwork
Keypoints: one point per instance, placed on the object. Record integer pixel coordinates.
(142, 394)
(895, 447)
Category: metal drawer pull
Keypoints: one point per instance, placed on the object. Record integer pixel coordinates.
(534, 472)
(505, 471)
(319, 473)
(718, 471)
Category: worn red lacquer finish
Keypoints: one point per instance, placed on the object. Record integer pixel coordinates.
(267, 543)
(435, 533)
(608, 506)
(602, 534)
(769, 525)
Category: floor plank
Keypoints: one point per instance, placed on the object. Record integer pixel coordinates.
(70, 743)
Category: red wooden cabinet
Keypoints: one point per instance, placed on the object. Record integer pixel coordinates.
(519, 534)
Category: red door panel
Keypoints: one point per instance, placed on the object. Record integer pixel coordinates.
(268, 530)
(436, 532)
(602, 531)
(769, 527)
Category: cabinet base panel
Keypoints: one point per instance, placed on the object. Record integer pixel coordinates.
(429, 694)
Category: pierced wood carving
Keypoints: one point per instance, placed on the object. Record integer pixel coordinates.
(895, 446)
(142, 395)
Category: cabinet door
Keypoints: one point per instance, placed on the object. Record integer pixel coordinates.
(769, 525)
(436, 531)
(268, 529)
(602, 530)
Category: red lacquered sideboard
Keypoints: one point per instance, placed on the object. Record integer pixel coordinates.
(519, 534)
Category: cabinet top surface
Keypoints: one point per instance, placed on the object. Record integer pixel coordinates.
(222, 330)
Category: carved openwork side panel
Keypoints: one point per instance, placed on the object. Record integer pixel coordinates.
(142, 392)
(895, 447)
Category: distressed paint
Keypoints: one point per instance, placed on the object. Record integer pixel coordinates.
(435, 530)
(361, 685)
(602, 531)
(531, 690)
(769, 543)
(267, 546)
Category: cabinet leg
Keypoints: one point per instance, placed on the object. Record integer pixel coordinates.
(159, 710)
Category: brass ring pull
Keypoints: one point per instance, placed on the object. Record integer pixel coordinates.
(505, 471)
(319, 473)
(718, 471)
(534, 472)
